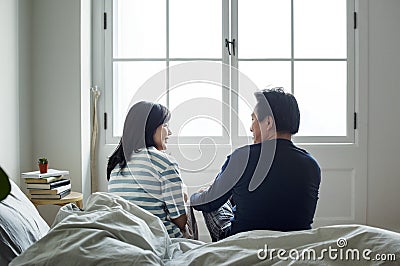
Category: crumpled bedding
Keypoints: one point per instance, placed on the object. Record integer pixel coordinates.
(113, 231)
(20, 224)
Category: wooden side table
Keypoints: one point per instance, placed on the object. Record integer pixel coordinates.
(73, 197)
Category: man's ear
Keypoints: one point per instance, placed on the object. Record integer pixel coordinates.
(270, 122)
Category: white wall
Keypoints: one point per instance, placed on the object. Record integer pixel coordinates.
(51, 96)
(384, 109)
(86, 83)
(59, 95)
(9, 101)
(56, 84)
(27, 161)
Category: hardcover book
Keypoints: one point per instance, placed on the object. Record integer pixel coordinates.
(51, 196)
(55, 184)
(43, 180)
(53, 191)
(50, 172)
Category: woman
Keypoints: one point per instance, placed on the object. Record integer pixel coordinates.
(140, 172)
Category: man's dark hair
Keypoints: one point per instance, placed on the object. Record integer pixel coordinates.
(282, 106)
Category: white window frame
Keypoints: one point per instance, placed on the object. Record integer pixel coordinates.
(230, 98)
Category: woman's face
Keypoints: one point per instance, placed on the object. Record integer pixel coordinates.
(161, 136)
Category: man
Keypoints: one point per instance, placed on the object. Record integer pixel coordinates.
(272, 184)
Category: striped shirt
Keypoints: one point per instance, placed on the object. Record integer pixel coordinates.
(151, 180)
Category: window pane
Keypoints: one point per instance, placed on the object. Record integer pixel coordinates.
(245, 111)
(139, 29)
(320, 29)
(195, 28)
(265, 74)
(320, 89)
(264, 29)
(127, 79)
(201, 127)
(196, 109)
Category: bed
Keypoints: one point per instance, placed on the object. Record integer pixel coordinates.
(113, 231)
(20, 224)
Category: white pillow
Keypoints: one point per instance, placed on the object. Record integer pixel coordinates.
(20, 224)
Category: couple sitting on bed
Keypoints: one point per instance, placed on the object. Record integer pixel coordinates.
(269, 185)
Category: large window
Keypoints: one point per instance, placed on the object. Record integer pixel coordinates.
(305, 46)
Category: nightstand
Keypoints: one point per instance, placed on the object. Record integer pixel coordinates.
(73, 197)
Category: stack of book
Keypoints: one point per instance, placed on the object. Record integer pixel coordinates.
(51, 185)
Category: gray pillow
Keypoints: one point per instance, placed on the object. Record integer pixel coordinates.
(20, 224)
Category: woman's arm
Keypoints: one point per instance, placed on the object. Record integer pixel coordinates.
(174, 196)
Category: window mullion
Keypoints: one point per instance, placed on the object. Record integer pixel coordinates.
(167, 51)
(234, 73)
(226, 82)
(109, 69)
(292, 46)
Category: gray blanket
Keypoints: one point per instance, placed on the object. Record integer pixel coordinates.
(20, 225)
(112, 231)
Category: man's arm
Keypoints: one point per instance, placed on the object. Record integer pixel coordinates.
(210, 206)
(180, 222)
(222, 188)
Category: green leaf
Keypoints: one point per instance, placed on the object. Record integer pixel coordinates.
(43, 161)
(5, 186)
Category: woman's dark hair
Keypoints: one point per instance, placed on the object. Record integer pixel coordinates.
(141, 123)
(282, 106)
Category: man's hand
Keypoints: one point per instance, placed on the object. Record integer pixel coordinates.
(203, 189)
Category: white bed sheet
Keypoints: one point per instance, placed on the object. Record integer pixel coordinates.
(113, 231)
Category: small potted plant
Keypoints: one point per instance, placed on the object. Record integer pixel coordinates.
(43, 165)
